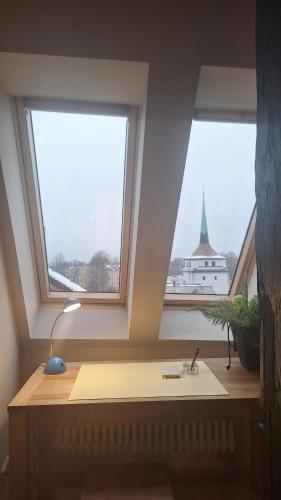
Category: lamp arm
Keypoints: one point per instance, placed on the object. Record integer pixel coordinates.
(52, 332)
(55, 322)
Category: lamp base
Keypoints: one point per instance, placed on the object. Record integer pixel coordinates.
(54, 366)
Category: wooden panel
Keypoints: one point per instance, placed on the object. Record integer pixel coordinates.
(268, 231)
(42, 405)
(130, 481)
(53, 390)
(215, 489)
(19, 457)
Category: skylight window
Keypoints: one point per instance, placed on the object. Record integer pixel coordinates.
(216, 204)
(80, 173)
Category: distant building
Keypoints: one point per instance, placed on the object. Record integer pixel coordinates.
(205, 271)
(205, 267)
(113, 277)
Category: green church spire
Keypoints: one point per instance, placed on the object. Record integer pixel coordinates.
(204, 248)
(204, 237)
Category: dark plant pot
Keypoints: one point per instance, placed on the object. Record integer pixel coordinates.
(247, 342)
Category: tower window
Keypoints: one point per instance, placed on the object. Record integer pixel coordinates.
(203, 278)
(206, 263)
(215, 277)
(213, 263)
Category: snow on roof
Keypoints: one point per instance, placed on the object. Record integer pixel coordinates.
(65, 281)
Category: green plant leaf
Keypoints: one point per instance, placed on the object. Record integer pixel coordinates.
(240, 313)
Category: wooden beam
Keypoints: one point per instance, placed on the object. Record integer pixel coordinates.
(19, 456)
(268, 233)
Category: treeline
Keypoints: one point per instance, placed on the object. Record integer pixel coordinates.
(100, 274)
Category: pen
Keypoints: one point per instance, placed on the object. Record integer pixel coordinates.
(194, 358)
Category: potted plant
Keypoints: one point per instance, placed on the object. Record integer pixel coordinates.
(241, 315)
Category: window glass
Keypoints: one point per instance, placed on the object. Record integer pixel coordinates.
(80, 163)
(216, 204)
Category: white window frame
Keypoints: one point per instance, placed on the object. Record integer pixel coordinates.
(247, 256)
(24, 105)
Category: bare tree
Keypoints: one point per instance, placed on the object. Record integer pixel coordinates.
(97, 272)
(176, 266)
(59, 263)
(74, 270)
(231, 263)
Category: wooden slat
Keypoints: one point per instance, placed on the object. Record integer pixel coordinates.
(129, 481)
(214, 489)
(19, 456)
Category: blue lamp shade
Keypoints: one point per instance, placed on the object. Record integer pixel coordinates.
(56, 365)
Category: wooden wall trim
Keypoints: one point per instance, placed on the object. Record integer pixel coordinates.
(268, 233)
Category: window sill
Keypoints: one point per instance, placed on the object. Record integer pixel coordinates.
(110, 323)
(185, 325)
(106, 323)
(179, 301)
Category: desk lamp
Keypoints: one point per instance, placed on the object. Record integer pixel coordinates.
(56, 365)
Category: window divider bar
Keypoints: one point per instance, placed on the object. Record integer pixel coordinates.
(231, 116)
(68, 106)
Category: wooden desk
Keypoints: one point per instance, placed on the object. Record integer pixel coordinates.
(43, 403)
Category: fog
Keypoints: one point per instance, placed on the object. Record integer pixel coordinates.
(81, 174)
(220, 161)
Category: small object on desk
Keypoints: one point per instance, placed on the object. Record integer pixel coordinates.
(170, 372)
(188, 369)
(191, 366)
(54, 366)
(194, 358)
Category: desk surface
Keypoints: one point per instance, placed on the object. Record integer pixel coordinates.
(53, 390)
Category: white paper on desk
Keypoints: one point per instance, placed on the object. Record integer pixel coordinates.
(141, 380)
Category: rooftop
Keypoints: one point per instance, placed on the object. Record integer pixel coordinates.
(59, 278)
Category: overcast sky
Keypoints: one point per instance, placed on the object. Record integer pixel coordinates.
(80, 162)
(220, 160)
(81, 173)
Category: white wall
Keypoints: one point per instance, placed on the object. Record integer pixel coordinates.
(220, 285)
(9, 356)
(16, 220)
(252, 284)
(188, 325)
(12, 303)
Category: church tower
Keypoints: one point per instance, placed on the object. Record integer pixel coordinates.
(205, 268)
(204, 247)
